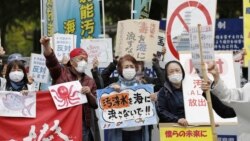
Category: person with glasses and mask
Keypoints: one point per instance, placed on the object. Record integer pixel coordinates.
(72, 71)
(170, 98)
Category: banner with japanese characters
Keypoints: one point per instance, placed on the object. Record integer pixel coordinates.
(129, 108)
(49, 124)
(246, 23)
(79, 17)
(48, 19)
(137, 38)
(201, 45)
(15, 104)
(192, 93)
(63, 44)
(67, 94)
(227, 35)
(38, 69)
(169, 132)
(142, 9)
(99, 48)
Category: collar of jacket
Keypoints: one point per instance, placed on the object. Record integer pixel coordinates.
(167, 88)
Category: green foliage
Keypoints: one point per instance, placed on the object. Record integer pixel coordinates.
(20, 40)
(18, 18)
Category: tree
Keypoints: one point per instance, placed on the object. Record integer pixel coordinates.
(14, 12)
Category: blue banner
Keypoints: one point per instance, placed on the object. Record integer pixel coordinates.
(142, 8)
(229, 34)
(128, 108)
(79, 17)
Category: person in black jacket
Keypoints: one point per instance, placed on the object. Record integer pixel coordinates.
(170, 105)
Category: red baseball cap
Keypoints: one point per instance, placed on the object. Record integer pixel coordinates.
(78, 51)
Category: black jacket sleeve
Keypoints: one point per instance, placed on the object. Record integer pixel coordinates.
(98, 79)
(107, 72)
(221, 109)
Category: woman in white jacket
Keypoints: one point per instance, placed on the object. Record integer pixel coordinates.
(237, 98)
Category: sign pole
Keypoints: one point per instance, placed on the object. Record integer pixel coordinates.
(132, 9)
(103, 19)
(208, 96)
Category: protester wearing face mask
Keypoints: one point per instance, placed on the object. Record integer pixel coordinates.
(72, 71)
(16, 76)
(170, 98)
(127, 69)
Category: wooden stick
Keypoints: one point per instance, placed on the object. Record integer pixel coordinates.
(209, 102)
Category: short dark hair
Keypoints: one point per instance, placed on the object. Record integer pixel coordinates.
(12, 64)
(166, 68)
(123, 59)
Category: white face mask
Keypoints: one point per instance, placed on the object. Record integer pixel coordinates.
(175, 78)
(16, 76)
(129, 73)
(81, 66)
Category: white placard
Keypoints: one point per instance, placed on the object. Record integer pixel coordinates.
(196, 109)
(14, 104)
(38, 69)
(182, 14)
(67, 94)
(206, 46)
(63, 44)
(100, 48)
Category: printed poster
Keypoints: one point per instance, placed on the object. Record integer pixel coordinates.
(38, 69)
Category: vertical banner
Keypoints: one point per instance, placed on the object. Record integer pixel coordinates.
(48, 125)
(48, 18)
(137, 38)
(99, 48)
(142, 9)
(246, 18)
(129, 108)
(169, 132)
(228, 36)
(182, 14)
(38, 69)
(193, 99)
(79, 17)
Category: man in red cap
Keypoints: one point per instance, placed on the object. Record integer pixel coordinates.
(73, 70)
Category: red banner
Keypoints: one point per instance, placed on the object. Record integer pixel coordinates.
(49, 123)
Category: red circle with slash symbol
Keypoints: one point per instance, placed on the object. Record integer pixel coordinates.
(176, 14)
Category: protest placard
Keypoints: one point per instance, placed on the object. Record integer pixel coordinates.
(14, 104)
(38, 69)
(67, 94)
(63, 44)
(99, 48)
(128, 108)
(137, 38)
